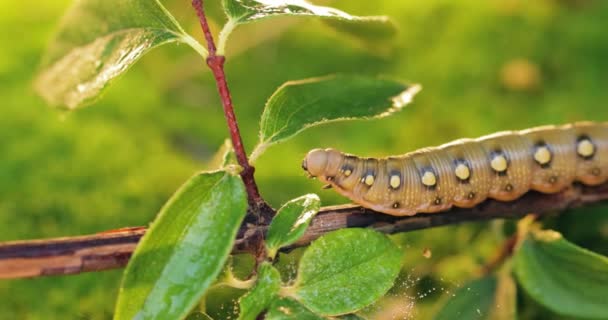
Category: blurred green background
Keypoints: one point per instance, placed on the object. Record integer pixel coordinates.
(485, 66)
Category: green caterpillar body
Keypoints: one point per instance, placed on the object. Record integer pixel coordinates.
(463, 173)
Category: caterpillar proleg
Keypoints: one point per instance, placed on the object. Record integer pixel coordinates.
(465, 172)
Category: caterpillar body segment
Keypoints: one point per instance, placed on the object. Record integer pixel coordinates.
(464, 173)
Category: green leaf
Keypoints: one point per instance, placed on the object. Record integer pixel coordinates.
(97, 41)
(263, 293)
(184, 249)
(291, 222)
(298, 105)
(374, 29)
(491, 298)
(345, 271)
(288, 309)
(561, 276)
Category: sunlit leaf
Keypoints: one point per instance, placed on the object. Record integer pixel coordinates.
(291, 222)
(287, 309)
(298, 105)
(488, 298)
(98, 40)
(565, 278)
(345, 271)
(366, 28)
(263, 293)
(184, 249)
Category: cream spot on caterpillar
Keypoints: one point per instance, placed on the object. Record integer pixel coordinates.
(346, 170)
(585, 148)
(369, 179)
(437, 201)
(396, 205)
(499, 163)
(509, 187)
(553, 179)
(542, 155)
(395, 181)
(429, 179)
(471, 195)
(462, 172)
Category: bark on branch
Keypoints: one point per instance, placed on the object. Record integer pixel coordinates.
(112, 249)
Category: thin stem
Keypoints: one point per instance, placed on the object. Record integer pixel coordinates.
(216, 64)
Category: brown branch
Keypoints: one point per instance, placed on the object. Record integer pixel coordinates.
(112, 249)
(216, 64)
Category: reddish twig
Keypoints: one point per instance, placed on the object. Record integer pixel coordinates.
(112, 249)
(216, 64)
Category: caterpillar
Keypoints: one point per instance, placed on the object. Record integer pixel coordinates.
(465, 172)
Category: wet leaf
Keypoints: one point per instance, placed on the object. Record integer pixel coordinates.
(288, 309)
(291, 222)
(263, 293)
(184, 249)
(366, 28)
(345, 271)
(563, 277)
(488, 298)
(97, 41)
(298, 105)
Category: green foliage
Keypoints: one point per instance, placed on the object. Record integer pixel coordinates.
(103, 168)
(491, 298)
(263, 293)
(184, 249)
(367, 28)
(98, 41)
(562, 276)
(291, 222)
(298, 105)
(345, 271)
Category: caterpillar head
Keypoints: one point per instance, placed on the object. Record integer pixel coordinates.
(322, 162)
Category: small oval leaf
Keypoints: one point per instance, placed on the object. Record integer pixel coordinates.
(291, 222)
(184, 250)
(345, 271)
(288, 309)
(245, 11)
(99, 40)
(263, 293)
(488, 298)
(563, 277)
(298, 105)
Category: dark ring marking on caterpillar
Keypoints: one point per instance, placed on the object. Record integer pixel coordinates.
(509, 187)
(437, 201)
(396, 205)
(585, 147)
(543, 154)
(471, 195)
(462, 170)
(499, 162)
